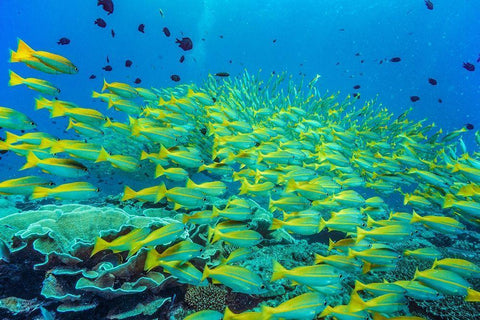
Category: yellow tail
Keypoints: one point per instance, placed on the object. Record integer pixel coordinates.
(356, 303)
(151, 259)
(331, 244)
(42, 103)
(276, 224)
(319, 258)
(472, 295)
(159, 171)
(415, 217)
(57, 110)
(162, 190)
(102, 155)
(100, 245)
(191, 184)
(449, 200)
(23, 49)
(206, 273)
(360, 234)
(105, 85)
(291, 186)
(40, 192)
(163, 152)
(11, 138)
(278, 271)
(32, 161)
(15, 79)
(128, 193)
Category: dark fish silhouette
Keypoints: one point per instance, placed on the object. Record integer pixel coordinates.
(166, 31)
(107, 5)
(141, 28)
(222, 74)
(396, 59)
(63, 41)
(107, 68)
(113, 33)
(108, 60)
(432, 81)
(101, 23)
(429, 4)
(128, 63)
(469, 66)
(175, 77)
(92, 76)
(137, 81)
(414, 98)
(469, 126)
(186, 43)
(440, 100)
(478, 59)
(356, 87)
(182, 58)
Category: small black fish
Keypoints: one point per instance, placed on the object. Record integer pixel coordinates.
(356, 95)
(113, 33)
(414, 98)
(469, 66)
(478, 59)
(107, 5)
(341, 29)
(175, 77)
(380, 62)
(362, 61)
(230, 61)
(357, 54)
(137, 81)
(221, 36)
(396, 59)
(440, 100)
(429, 4)
(92, 76)
(274, 40)
(222, 74)
(107, 68)
(432, 81)
(128, 63)
(63, 41)
(108, 60)
(166, 32)
(141, 28)
(101, 23)
(186, 43)
(469, 126)
(182, 58)
(356, 87)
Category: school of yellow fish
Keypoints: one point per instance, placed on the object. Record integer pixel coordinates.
(306, 158)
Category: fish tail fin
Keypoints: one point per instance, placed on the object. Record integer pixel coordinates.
(102, 155)
(57, 110)
(378, 316)
(449, 200)
(110, 103)
(271, 205)
(163, 152)
(190, 184)
(23, 49)
(159, 170)
(266, 312)
(215, 211)
(260, 157)
(162, 190)
(128, 193)
(100, 245)
(134, 249)
(70, 124)
(370, 221)
(95, 94)
(151, 259)
(52, 144)
(278, 271)
(11, 138)
(276, 224)
(435, 263)
(351, 253)
(358, 286)
(32, 161)
(205, 273)
(319, 258)
(415, 217)
(39, 192)
(15, 79)
(331, 244)
(417, 273)
(322, 224)
(42, 103)
(367, 266)
(105, 85)
(217, 235)
(472, 295)
(202, 168)
(291, 186)
(14, 57)
(211, 232)
(356, 303)
(243, 186)
(143, 155)
(360, 234)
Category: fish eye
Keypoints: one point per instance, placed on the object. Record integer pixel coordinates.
(85, 169)
(340, 276)
(437, 294)
(325, 303)
(51, 184)
(97, 190)
(204, 199)
(32, 123)
(76, 69)
(262, 286)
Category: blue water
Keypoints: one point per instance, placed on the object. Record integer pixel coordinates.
(329, 38)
